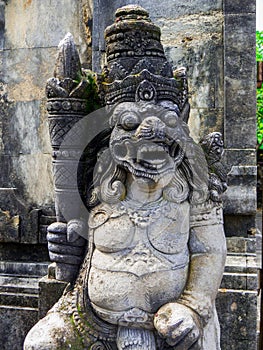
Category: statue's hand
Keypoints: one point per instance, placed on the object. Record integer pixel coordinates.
(64, 243)
(66, 248)
(179, 325)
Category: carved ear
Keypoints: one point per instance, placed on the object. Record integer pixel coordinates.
(196, 168)
(213, 147)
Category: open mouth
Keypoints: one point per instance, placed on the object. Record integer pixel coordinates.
(152, 156)
(144, 159)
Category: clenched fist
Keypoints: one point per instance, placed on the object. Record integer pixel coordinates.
(180, 326)
(66, 248)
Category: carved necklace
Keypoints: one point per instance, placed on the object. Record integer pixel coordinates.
(145, 214)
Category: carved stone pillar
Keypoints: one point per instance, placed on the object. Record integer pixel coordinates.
(240, 116)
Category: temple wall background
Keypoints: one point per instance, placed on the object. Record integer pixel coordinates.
(30, 32)
(214, 39)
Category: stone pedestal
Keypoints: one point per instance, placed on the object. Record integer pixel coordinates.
(18, 301)
(50, 290)
(238, 296)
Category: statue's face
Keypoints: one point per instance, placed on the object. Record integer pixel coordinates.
(145, 141)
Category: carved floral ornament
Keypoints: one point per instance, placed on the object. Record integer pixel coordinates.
(139, 233)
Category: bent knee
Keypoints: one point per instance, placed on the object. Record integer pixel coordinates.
(50, 333)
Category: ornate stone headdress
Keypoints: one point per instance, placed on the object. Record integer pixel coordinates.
(137, 68)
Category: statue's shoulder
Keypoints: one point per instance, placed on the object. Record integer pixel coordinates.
(174, 210)
(102, 213)
(207, 213)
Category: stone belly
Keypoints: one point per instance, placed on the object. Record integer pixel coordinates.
(120, 291)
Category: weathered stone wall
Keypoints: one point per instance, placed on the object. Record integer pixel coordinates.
(29, 34)
(239, 115)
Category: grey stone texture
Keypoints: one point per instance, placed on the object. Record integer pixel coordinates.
(29, 34)
(192, 37)
(239, 121)
(31, 14)
(213, 39)
(237, 298)
(16, 322)
(2, 23)
(18, 300)
(239, 6)
(50, 290)
(158, 252)
(236, 301)
(238, 309)
(27, 59)
(241, 196)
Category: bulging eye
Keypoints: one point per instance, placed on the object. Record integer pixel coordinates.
(129, 121)
(170, 119)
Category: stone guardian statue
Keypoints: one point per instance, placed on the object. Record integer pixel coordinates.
(145, 267)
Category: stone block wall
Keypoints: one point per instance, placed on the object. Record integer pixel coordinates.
(29, 35)
(240, 111)
(237, 298)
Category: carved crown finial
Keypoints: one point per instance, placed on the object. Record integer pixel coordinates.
(137, 68)
(133, 35)
(131, 12)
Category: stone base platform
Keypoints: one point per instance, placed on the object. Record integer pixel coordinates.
(19, 295)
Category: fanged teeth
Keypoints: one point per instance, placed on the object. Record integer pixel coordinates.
(151, 173)
(152, 148)
(142, 174)
(154, 164)
(139, 173)
(152, 156)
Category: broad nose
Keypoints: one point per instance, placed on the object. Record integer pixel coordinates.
(151, 128)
